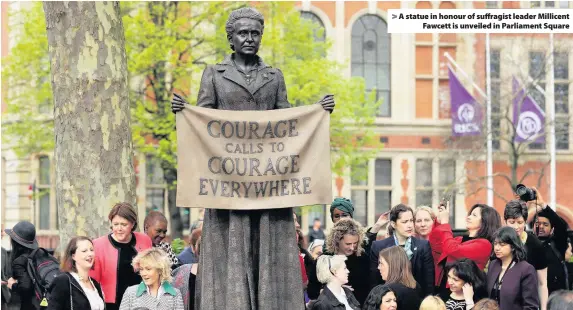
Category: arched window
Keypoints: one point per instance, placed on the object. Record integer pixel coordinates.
(318, 35)
(371, 57)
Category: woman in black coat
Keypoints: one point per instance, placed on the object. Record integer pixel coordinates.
(418, 250)
(74, 286)
(332, 271)
(23, 241)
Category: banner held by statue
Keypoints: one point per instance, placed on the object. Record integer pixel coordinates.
(247, 160)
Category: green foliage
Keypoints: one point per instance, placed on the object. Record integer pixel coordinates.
(168, 45)
(289, 44)
(178, 245)
(27, 74)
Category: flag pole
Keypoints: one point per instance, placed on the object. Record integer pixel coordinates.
(489, 135)
(489, 161)
(550, 100)
(458, 68)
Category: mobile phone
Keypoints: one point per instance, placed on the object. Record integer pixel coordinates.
(445, 199)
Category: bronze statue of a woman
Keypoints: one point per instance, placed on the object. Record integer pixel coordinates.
(249, 259)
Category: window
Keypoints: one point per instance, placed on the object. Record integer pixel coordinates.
(319, 31)
(378, 190)
(371, 57)
(424, 182)
(432, 83)
(537, 71)
(491, 4)
(383, 186)
(537, 63)
(43, 193)
(436, 179)
(155, 185)
(496, 113)
(547, 4)
(563, 4)
(561, 71)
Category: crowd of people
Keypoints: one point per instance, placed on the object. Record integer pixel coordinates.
(122, 270)
(409, 259)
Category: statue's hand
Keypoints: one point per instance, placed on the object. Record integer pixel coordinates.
(327, 103)
(178, 103)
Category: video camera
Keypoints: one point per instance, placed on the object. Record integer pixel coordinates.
(525, 193)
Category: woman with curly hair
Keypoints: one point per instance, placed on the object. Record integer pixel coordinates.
(381, 297)
(346, 238)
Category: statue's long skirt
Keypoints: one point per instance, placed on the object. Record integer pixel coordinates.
(249, 261)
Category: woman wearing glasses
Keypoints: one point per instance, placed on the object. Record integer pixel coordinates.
(331, 270)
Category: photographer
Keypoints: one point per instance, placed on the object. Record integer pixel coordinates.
(551, 229)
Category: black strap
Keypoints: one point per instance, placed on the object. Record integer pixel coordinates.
(71, 295)
(562, 261)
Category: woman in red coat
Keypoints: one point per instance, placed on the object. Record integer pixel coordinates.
(482, 222)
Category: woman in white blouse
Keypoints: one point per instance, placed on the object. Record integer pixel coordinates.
(74, 289)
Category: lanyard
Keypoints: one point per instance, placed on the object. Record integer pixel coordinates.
(500, 281)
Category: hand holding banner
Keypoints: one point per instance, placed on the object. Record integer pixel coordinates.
(243, 160)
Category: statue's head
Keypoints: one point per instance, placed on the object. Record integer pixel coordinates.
(245, 30)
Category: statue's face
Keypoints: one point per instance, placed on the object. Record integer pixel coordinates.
(247, 36)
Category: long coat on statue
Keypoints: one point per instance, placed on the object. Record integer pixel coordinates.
(248, 259)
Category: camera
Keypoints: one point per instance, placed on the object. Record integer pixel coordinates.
(525, 193)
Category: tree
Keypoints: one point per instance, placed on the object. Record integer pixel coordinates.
(29, 98)
(93, 145)
(168, 44)
(504, 131)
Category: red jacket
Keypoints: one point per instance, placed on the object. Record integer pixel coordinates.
(445, 246)
(105, 265)
(303, 270)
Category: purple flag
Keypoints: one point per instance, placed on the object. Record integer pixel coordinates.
(465, 111)
(528, 118)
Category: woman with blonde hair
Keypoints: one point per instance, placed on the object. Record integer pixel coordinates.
(424, 218)
(432, 303)
(331, 271)
(155, 291)
(395, 269)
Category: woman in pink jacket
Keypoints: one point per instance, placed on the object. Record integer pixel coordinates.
(114, 254)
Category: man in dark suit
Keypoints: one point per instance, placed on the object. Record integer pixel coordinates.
(418, 250)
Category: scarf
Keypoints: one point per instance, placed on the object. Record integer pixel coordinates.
(407, 246)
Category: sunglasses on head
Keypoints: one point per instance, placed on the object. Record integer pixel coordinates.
(329, 266)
